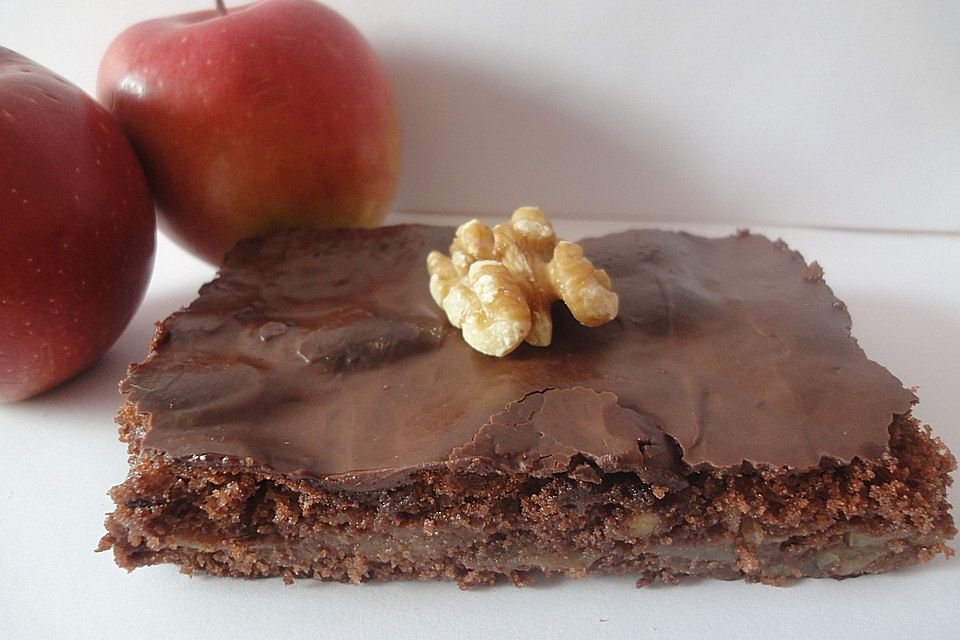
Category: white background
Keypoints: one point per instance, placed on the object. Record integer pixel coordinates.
(782, 116)
(816, 113)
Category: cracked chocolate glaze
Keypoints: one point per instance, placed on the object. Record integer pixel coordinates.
(546, 431)
(321, 354)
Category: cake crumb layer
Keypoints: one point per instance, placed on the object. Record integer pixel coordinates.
(762, 526)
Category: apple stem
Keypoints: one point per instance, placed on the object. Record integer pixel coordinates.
(221, 8)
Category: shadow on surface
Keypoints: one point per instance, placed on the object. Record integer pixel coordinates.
(476, 142)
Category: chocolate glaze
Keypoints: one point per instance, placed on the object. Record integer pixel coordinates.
(544, 432)
(321, 354)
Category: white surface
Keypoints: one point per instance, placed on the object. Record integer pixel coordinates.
(59, 455)
(805, 113)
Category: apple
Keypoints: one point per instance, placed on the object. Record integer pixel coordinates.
(247, 119)
(77, 229)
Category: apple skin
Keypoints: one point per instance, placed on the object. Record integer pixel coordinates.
(77, 229)
(274, 114)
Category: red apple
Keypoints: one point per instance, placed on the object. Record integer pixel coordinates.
(247, 119)
(77, 229)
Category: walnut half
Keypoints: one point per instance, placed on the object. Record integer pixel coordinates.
(497, 285)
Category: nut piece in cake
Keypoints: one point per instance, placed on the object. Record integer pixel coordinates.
(498, 284)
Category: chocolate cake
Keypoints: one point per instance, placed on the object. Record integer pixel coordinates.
(313, 414)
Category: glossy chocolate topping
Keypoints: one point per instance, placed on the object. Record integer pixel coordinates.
(321, 354)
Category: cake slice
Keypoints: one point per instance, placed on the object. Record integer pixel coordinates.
(312, 414)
